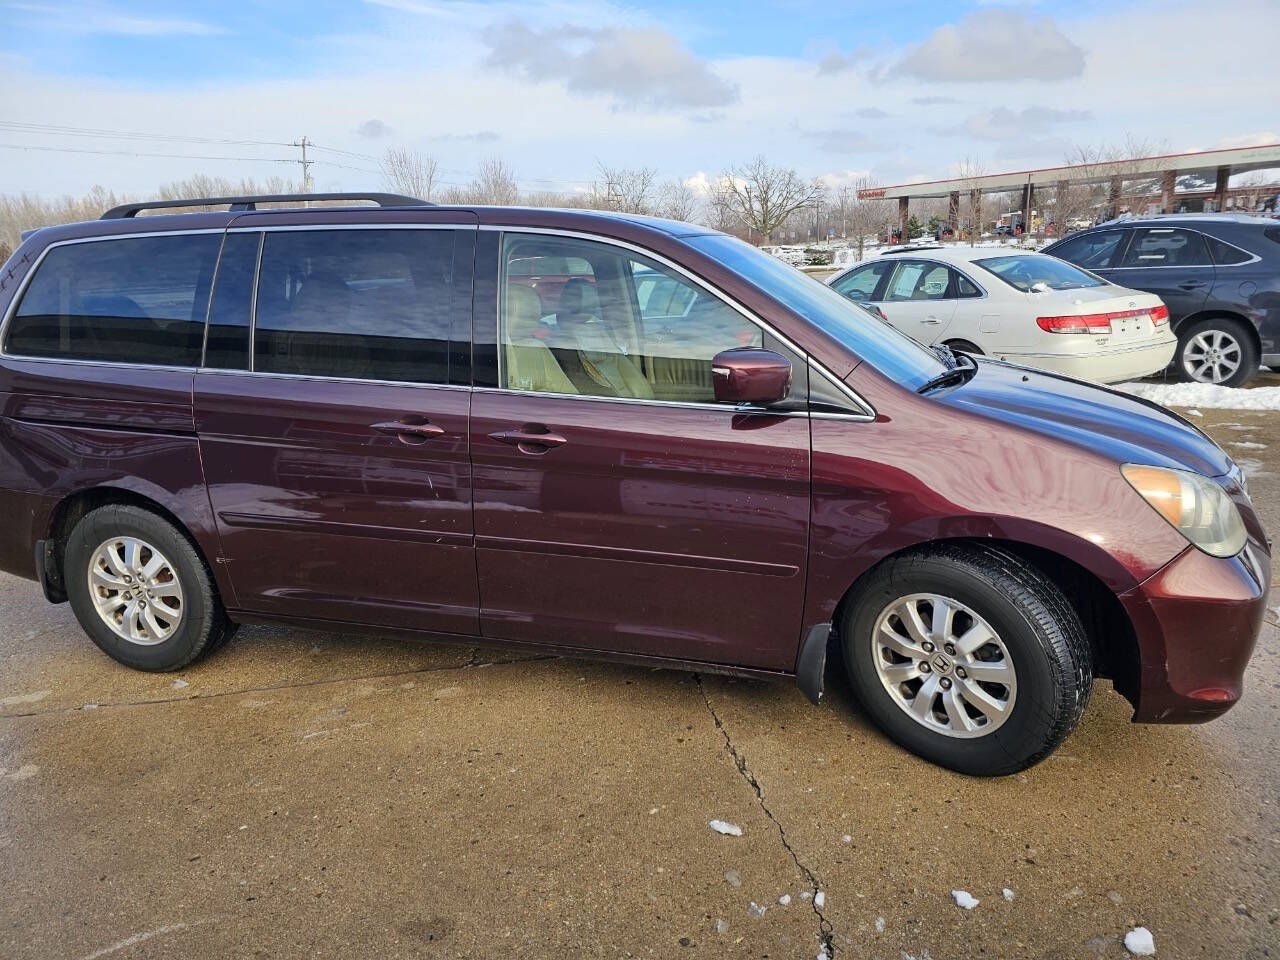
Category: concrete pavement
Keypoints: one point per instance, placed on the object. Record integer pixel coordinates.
(318, 795)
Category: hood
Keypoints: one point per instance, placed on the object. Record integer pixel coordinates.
(1127, 429)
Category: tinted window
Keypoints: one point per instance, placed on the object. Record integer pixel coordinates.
(917, 280)
(1093, 250)
(1166, 247)
(625, 327)
(894, 354)
(965, 288)
(367, 304)
(1030, 272)
(1225, 253)
(132, 300)
(227, 342)
(861, 283)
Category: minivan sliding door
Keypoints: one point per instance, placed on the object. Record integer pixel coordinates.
(332, 415)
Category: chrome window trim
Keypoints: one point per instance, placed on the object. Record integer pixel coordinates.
(680, 404)
(19, 293)
(220, 371)
(697, 281)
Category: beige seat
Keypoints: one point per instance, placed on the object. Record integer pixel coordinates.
(530, 363)
(594, 361)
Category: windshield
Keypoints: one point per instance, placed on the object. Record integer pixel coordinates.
(1031, 272)
(892, 353)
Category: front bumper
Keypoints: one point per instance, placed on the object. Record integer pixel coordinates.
(1114, 365)
(1197, 621)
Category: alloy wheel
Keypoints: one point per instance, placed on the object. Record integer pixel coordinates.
(135, 590)
(943, 665)
(1212, 356)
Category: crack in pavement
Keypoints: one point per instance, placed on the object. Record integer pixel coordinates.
(268, 688)
(826, 933)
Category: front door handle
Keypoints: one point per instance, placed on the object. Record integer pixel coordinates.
(410, 433)
(531, 438)
(930, 320)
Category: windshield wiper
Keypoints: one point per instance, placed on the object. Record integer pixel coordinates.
(957, 374)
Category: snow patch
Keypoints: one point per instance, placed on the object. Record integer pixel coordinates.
(1208, 395)
(22, 698)
(819, 899)
(756, 910)
(964, 899)
(1140, 943)
(1248, 445)
(785, 899)
(179, 684)
(728, 829)
(1007, 894)
(1193, 412)
(879, 924)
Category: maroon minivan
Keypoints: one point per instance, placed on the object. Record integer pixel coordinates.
(602, 435)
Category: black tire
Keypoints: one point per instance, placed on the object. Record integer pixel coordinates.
(1235, 329)
(1038, 626)
(964, 346)
(203, 626)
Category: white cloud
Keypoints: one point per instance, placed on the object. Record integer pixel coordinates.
(995, 45)
(96, 18)
(1001, 123)
(644, 66)
(837, 62)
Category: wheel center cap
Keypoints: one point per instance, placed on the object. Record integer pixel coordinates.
(941, 662)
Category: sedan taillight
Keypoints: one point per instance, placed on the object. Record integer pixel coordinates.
(1099, 322)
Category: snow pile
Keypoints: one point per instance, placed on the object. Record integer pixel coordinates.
(728, 829)
(1209, 395)
(1140, 943)
(964, 899)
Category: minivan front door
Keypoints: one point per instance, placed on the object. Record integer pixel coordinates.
(619, 508)
(334, 439)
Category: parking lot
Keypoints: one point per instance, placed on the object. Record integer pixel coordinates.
(335, 796)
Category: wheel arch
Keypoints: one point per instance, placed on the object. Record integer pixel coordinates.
(1112, 638)
(1217, 313)
(68, 511)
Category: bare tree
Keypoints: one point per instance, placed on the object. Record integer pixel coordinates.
(971, 168)
(765, 195)
(676, 201)
(407, 171)
(721, 208)
(859, 218)
(495, 183)
(628, 190)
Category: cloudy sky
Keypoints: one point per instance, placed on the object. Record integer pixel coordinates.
(900, 91)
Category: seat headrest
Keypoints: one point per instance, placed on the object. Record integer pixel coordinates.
(579, 296)
(523, 312)
(324, 299)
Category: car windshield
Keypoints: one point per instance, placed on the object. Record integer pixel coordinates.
(1032, 272)
(894, 354)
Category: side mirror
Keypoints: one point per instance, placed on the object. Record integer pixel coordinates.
(750, 375)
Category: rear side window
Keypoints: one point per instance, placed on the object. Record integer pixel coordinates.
(1095, 250)
(915, 280)
(128, 300)
(1225, 254)
(1167, 247)
(364, 304)
(861, 283)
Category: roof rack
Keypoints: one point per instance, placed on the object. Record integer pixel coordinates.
(237, 204)
(912, 247)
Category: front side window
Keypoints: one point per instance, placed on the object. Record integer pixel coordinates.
(1093, 250)
(918, 280)
(362, 304)
(861, 284)
(1166, 247)
(894, 354)
(1034, 273)
(624, 327)
(127, 300)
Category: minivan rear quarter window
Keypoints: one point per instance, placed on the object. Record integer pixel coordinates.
(124, 300)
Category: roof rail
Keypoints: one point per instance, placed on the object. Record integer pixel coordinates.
(235, 204)
(912, 247)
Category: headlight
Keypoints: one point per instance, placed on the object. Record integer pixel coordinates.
(1194, 505)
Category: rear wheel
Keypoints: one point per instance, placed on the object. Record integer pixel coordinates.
(967, 656)
(141, 591)
(964, 346)
(1217, 350)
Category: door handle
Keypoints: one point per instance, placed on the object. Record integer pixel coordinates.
(410, 433)
(1193, 284)
(531, 438)
(930, 320)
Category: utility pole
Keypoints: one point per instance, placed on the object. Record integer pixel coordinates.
(306, 164)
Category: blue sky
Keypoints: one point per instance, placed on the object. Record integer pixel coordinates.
(893, 92)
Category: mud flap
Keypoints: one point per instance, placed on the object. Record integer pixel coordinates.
(812, 662)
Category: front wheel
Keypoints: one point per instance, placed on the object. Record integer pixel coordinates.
(967, 656)
(964, 346)
(1216, 350)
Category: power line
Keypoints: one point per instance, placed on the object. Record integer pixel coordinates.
(17, 126)
(139, 153)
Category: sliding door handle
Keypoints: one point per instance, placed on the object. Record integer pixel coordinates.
(530, 440)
